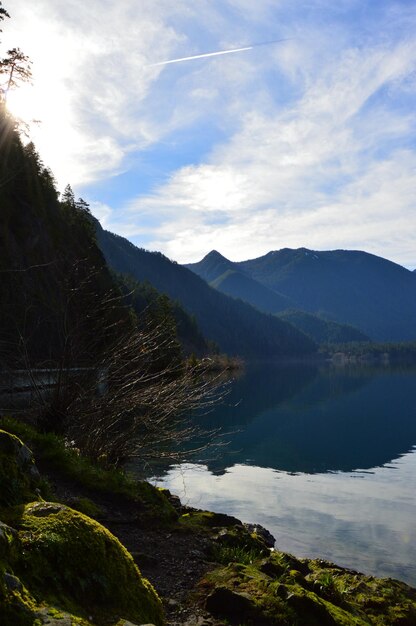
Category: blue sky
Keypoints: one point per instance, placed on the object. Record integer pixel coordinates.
(306, 142)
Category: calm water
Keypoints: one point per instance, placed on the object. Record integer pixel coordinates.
(324, 458)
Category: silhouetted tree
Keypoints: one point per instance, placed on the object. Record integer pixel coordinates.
(17, 69)
(3, 14)
(68, 197)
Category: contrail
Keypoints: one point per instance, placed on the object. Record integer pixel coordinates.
(205, 55)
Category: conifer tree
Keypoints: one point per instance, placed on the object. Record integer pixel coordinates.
(17, 69)
(68, 197)
(3, 14)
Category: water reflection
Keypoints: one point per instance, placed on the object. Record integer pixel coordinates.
(364, 521)
(323, 458)
(305, 419)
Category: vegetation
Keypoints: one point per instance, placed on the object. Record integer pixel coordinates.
(281, 590)
(155, 309)
(226, 276)
(255, 586)
(323, 331)
(122, 388)
(121, 383)
(392, 352)
(374, 295)
(57, 562)
(235, 326)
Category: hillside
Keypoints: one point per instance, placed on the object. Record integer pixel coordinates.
(226, 277)
(373, 294)
(54, 280)
(238, 285)
(235, 326)
(321, 330)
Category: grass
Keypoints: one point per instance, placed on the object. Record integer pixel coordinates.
(234, 554)
(57, 456)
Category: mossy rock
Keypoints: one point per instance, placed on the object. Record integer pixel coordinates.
(230, 536)
(282, 590)
(157, 509)
(6, 538)
(67, 562)
(207, 519)
(18, 474)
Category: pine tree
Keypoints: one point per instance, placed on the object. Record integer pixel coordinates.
(17, 69)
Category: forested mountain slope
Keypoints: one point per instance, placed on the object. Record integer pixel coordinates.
(225, 276)
(54, 280)
(59, 303)
(321, 330)
(235, 326)
(347, 286)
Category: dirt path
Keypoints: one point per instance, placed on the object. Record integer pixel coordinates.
(172, 560)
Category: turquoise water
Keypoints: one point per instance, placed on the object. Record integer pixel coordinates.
(324, 458)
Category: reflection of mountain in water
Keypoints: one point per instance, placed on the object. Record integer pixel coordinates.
(300, 419)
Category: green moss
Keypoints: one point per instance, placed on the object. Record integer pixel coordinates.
(56, 563)
(233, 540)
(86, 506)
(285, 591)
(208, 519)
(57, 457)
(73, 563)
(68, 564)
(18, 475)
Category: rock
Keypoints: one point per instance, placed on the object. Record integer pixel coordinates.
(196, 620)
(223, 602)
(44, 509)
(19, 476)
(12, 582)
(263, 533)
(209, 519)
(142, 559)
(6, 535)
(309, 606)
(315, 593)
(127, 623)
(174, 500)
(238, 537)
(52, 617)
(68, 560)
(271, 568)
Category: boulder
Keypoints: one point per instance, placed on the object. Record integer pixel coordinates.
(19, 476)
(236, 607)
(58, 566)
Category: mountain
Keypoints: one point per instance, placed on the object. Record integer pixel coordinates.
(323, 331)
(235, 326)
(154, 309)
(54, 281)
(351, 287)
(212, 266)
(225, 276)
(60, 306)
(239, 285)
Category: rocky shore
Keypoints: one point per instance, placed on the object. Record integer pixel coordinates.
(96, 557)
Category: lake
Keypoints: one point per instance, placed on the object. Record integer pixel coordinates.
(324, 457)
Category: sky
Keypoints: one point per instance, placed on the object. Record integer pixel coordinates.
(308, 141)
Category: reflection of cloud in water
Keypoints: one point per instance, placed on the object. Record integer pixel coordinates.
(360, 520)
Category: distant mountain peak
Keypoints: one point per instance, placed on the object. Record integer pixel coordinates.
(214, 255)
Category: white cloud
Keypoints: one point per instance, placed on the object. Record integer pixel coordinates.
(304, 175)
(316, 132)
(90, 79)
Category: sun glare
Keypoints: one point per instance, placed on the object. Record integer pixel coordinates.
(22, 103)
